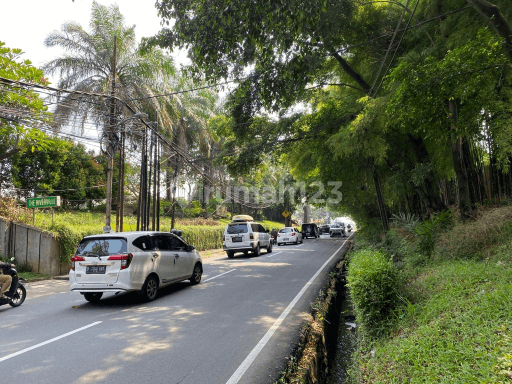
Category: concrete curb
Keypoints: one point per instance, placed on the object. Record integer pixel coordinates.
(36, 279)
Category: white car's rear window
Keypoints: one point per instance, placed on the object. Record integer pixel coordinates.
(234, 229)
(101, 247)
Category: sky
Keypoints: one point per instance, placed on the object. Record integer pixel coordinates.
(26, 23)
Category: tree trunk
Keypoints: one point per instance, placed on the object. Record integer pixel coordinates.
(433, 196)
(380, 198)
(458, 164)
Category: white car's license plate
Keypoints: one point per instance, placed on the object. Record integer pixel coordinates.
(286, 239)
(236, 239)
(96, 269)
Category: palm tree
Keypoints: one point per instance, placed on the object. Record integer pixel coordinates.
(145, 80)
(140, 75)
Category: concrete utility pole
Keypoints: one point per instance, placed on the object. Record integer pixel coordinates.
(110, 150)
(306, 214)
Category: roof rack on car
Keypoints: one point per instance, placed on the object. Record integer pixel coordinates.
(239, 218)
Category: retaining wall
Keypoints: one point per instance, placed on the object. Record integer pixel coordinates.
(27, 244)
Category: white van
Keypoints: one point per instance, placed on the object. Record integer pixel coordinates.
(132, 261)
(244, 235)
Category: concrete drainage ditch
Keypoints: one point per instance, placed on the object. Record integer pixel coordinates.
(327, 340)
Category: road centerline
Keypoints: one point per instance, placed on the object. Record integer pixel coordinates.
(48, 341)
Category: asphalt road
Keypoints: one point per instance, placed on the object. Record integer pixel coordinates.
(236, 326)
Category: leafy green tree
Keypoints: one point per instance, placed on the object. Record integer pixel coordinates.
(21, 109)
(39, 171)
(64, 168)
(363, 127)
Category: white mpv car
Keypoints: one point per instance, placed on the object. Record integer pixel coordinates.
(132, 261)
(244, 235)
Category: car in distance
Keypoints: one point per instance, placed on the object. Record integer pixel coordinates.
(310, 230)
(324, 229)
(132, 261)
(289, 235)
(337, 229)
(245, 235)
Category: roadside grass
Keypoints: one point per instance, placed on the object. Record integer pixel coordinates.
(32, 276)
(458, 331)
(455, 321)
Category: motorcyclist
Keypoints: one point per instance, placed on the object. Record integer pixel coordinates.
(273, 233)
(5, 279)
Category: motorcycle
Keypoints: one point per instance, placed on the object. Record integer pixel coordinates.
(17, 293)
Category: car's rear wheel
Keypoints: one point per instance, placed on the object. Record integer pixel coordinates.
(269, 248)
(93, 297)
(150, 288)
(231, 254)
(257, 251)
(196, 275)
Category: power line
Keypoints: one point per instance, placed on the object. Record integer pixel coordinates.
(398, 45)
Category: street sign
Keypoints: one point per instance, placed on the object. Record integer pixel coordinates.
(43, 202)
(286, 213)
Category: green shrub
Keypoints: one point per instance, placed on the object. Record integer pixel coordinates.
(23, 267)
(405, 220)
(374, 282)
(194, 210)
(428, 231)
(399, 244)
(69, 238)
(203, 237)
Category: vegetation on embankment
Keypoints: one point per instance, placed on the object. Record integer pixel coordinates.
(71, 226)
(449, 318)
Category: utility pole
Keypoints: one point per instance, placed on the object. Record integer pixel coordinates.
(155, 176)
(122, 165)
(174, 176)
(110, 148)
(141, 212)
(148, 181)
(158, 190)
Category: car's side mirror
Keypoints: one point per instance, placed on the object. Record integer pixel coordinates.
(190, 248)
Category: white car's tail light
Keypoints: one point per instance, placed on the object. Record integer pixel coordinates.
(251, 236)
(125, 259)
(74, 259)
(293, 234)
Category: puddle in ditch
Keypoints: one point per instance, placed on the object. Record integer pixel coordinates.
(346, 343)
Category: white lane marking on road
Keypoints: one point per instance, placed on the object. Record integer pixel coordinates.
(49, 341)
(257, 349)
(214, 277)
(275, 254)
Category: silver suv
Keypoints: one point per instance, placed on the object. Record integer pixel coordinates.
(244, 235)
(337, 229)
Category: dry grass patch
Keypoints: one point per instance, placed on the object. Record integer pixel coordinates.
(474, 239)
